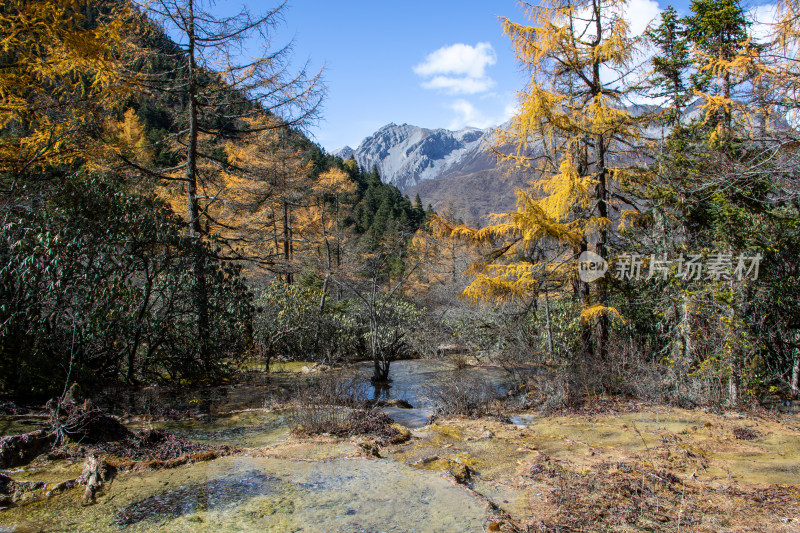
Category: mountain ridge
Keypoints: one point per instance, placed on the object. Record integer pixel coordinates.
(452, 170)
(406, 155)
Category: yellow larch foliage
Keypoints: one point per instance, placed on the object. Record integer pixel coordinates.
(58, 78)
(125, 138)
(784, 71)
(573, 135)
(593, 311)
(745, 69)
(334, 181)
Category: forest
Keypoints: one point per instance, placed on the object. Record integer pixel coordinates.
(190, 284)
(166, 220)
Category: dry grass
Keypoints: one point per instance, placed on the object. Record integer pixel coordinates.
(461, 395)
(637, 496)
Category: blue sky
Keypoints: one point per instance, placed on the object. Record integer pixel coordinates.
(434, 63)
(369, 50)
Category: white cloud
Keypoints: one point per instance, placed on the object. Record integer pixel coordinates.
(459, 85)
(466, 114)
(509, 111)
(764, 18)
(458, 59)
(639, 13)
(458, 68)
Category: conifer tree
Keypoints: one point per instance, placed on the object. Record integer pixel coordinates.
(224, 94)
(717, 31)
(58, 77)
(574, 138)
(670, 64)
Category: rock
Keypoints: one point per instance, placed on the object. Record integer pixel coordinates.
(461, 472)
(6, 484)
(370, 447)
(487, 434)
(400, 404)
(403, 434)
(18, 450)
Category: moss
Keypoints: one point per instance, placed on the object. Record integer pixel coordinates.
(447, 432)
(403, 434)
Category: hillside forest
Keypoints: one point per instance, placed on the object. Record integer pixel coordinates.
(165, 218)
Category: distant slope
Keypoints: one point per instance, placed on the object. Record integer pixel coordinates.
(470, 197)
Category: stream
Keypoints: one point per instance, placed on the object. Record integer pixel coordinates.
(317, 488)
(266, 494)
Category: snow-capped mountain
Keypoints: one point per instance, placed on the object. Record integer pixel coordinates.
(454, 171)
(407, 155)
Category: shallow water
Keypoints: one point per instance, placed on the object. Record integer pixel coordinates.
(15, 425)
(267, 494)
(410, 418)
(771, 457)
(341, 494)
(412, 379)
(247, 429)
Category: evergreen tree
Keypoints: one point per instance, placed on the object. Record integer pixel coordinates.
(717, 30)
(670, 64)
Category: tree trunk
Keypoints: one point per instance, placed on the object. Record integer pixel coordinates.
(139, 321)
(193, 208)
(601, 194)
(547, 322)
(287, 239)
(582, 290)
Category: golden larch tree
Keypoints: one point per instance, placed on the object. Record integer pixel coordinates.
(58, 79)
(575, 135)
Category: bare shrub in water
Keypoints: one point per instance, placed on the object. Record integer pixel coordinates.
(325, 403)
(461, 394)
